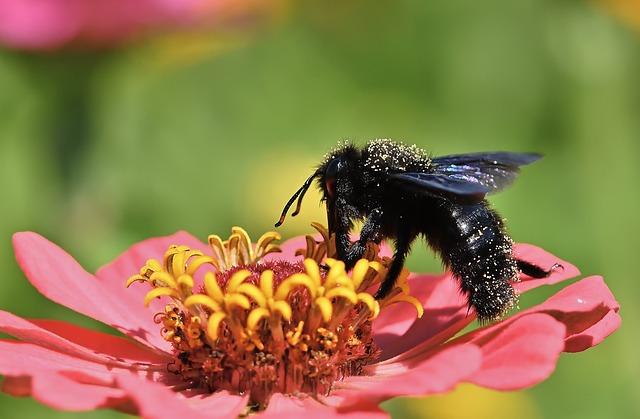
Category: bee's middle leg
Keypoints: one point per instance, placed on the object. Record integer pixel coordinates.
(403, 246)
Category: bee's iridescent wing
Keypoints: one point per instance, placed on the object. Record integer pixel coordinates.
(467, 178)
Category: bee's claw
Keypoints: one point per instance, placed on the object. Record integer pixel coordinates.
(556, 266)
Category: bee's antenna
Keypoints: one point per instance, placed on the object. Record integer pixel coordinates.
(303, 190)
(300, 192)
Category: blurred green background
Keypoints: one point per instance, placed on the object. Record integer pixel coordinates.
(100, 149)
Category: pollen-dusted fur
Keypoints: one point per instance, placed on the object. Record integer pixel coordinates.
(400, 193)
(384, 156)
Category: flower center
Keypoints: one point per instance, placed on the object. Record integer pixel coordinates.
(259, 327)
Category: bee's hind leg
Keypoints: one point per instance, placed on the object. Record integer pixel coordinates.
(535, 271)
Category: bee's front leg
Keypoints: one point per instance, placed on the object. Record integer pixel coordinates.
(370, 232)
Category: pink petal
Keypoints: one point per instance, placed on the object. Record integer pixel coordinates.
(545, 260)
(593, 335)
(156, 401)
(396, 319)
(587, 308)
(112, 347)
(79, 342)
(61, 279)
(50, 24)
(233, 404)
(446, 310)
(25, 359)
(63, 393)
(283, 406)
(397, 329)
(131, 260)
(520, 354)
(113, 274)
(32, 369)
(437, 373)
(289, 248)
(56, 379)
(38, 24)
(583, 308)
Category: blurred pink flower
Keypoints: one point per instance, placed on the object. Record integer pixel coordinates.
(52, 24)
(69, 367)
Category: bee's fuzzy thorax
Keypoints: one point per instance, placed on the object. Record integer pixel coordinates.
(385, 155)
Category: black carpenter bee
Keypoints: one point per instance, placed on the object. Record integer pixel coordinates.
(401, 192)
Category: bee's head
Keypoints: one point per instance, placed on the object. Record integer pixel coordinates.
(335, 166)
(328, 173)
(332, 168)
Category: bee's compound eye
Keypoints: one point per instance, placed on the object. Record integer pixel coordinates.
(332, 168)
(330, 175)
(330, 185)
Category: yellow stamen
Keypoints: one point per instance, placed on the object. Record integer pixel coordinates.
(213, 325)
(199, 261)
(219, 249)
(341, 281)
(325, 307)
(265, 244)
(135, 278)
(175, 259)
(236, 300)
(237, 279)
(246, 248)
(359, 271)
(370, 302)
(376, 266)
(159, 292)
(185, 283)
(212, 288)
(255, 341)
(343, 292)
(149, 267)
(294, 337)
(292, 282)
(313, 271)
(254, 292)
(283, 308)
(407, 299)
(163, 279)
(202, 300)
(255, 316)
(266, 283)
(238, 250)
(337, 269)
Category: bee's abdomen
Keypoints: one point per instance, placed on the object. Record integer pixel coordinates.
(479, 252)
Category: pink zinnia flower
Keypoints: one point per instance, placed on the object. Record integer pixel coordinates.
(52, 24)
(232, 328)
